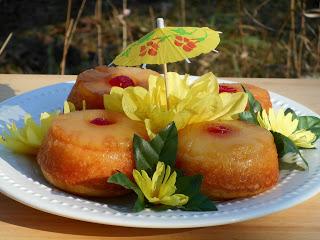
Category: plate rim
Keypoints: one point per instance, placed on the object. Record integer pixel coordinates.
(191, 223)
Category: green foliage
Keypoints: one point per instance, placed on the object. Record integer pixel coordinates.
(122, 180)
(284, 146)
(254, 108)
(162, 148)
(310, 123)
(289, 110)
(190, 186)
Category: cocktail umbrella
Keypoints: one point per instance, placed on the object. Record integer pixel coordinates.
(167, 45)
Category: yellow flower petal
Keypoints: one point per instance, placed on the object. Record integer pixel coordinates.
(143, 184)
(284, 124)
(303, 138)
(158, 120)
(175, 200)
(233, 104)
(157, 178)
(188, 103)
(113, 101)
(161, 188)
(207, 83)
(157, 93)
(177, 88)
(68, 107)
(18, 146)
(28, 138)
(263, 120)
(272, 120)
(168, 187)
(135, 103)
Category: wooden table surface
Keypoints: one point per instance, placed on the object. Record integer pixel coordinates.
(300, 222)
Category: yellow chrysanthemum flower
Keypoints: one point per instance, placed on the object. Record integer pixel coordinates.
(187, 103)
(287, 126)
(28, 138)
(161, 188)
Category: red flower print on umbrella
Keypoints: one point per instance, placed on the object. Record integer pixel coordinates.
(186, 43)
(151, 48)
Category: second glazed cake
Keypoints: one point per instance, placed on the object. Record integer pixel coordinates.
(236, 159)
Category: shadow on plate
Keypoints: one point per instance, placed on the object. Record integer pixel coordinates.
(6, 92)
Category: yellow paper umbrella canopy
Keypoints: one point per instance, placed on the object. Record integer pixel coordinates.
(169, 44)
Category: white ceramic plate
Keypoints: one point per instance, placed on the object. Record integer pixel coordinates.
(21, 180)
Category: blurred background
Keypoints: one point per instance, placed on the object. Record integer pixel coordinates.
(262, 38)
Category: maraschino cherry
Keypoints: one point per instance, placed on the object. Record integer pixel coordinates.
(101, 121)
(121, 81)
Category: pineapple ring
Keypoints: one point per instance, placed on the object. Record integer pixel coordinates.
(84, 148)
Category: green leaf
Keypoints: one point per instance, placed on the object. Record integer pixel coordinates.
(285, 145)
(163, 147)
(190, 186)
(166, 144)
(122, 180)
(248, 117)
(289, 110)
(254, 108)
(200, 202)
(146, 157)
(310, 123)
(254, 105)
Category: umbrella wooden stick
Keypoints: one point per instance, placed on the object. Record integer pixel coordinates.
(160, 24)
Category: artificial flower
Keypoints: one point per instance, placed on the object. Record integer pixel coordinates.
(28, 138)
(69, 107)
(303, 138)
(287, 126)
(161, 187)
(186, 103)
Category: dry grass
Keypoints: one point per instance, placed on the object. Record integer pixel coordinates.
(260, 39)
(4, 45)
(98, 15)
(72, 26)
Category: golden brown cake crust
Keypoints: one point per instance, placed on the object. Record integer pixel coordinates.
(240, 164)
(79, 157)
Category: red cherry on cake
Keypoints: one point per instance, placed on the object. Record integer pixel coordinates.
(121, 81)
(101, 121)
(219, 130)
(224, 88)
